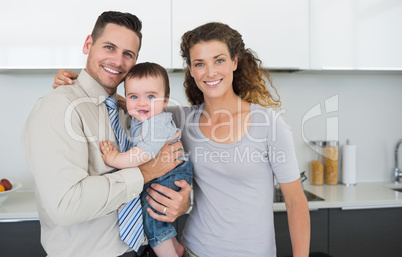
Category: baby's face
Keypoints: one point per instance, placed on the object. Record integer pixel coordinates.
(145, 97)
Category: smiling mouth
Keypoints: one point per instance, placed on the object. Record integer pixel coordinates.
(213, 83)
(110, 70)
(143, 112)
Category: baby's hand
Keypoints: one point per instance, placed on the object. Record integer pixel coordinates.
(108, 152)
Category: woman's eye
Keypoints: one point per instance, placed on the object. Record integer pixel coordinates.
(198, 64)
(219, 61)
(151, 97)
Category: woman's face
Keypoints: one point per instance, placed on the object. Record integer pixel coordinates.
(212, 68)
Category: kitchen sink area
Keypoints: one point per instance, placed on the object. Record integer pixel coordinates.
(278, 196)
(394, 186)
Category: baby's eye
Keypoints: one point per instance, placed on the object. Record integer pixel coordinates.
(151, 97)
(134, 97)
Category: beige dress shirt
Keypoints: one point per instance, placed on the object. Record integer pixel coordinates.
(77, 194)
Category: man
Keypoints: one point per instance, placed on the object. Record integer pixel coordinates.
(77, 194)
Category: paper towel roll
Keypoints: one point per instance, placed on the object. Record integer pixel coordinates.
(349, 165)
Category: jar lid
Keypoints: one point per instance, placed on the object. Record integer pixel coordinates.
(331, 143)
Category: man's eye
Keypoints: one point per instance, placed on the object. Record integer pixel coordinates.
(219, 61)
(129, 55)
(109, 47)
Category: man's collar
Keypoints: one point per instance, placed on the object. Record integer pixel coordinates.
(93, 88)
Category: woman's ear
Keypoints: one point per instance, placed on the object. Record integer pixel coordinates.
(235, 62)
(87, 44)
(189, 69)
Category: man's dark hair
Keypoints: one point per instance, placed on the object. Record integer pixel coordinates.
(126, 20)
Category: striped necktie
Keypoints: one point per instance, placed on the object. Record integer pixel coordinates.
(130, 214)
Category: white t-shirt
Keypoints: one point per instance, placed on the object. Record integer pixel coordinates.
(232, 213)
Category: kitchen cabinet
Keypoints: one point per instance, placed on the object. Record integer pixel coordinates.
(287, 34)
(319, 233)
(53, 37)
(356, 34)
(278, 31)
(179, 224)
(347, 233)
(20, 239)
(369, 232)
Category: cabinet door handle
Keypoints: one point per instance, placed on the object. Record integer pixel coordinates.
(17, 220)
(369, 207)
(345, 68)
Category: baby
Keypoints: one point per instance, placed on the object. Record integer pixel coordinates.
(147, 93)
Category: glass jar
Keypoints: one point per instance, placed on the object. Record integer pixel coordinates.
(331, 162)
(317, 167)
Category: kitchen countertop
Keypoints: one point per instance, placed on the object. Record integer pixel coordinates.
(371, 195)
(20, 205)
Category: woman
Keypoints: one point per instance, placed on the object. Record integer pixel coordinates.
(238, 144)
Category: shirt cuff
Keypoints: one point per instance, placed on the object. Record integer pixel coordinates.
(134, 182)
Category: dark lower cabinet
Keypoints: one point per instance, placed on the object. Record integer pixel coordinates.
(319, 233)
(179, 225)
(20, 239)
(347, 233)
(334, 232)
(368, 233)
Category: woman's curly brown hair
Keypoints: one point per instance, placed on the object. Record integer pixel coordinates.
(248, 78)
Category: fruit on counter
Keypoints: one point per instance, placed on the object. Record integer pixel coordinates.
(2, 188)
(6, 184)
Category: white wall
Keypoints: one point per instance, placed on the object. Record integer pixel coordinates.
(370, 107)
(370, 115)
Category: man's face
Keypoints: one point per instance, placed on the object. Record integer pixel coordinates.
(111, 56)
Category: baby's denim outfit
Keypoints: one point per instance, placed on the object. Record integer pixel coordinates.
(158, 231)
(151, 135)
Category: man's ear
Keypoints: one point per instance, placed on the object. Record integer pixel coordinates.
(87, 44)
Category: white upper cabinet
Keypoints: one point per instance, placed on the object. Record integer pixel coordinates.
(356, 34)
(278, 31)
(156, 30)
(285, 34)
(45, 34)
